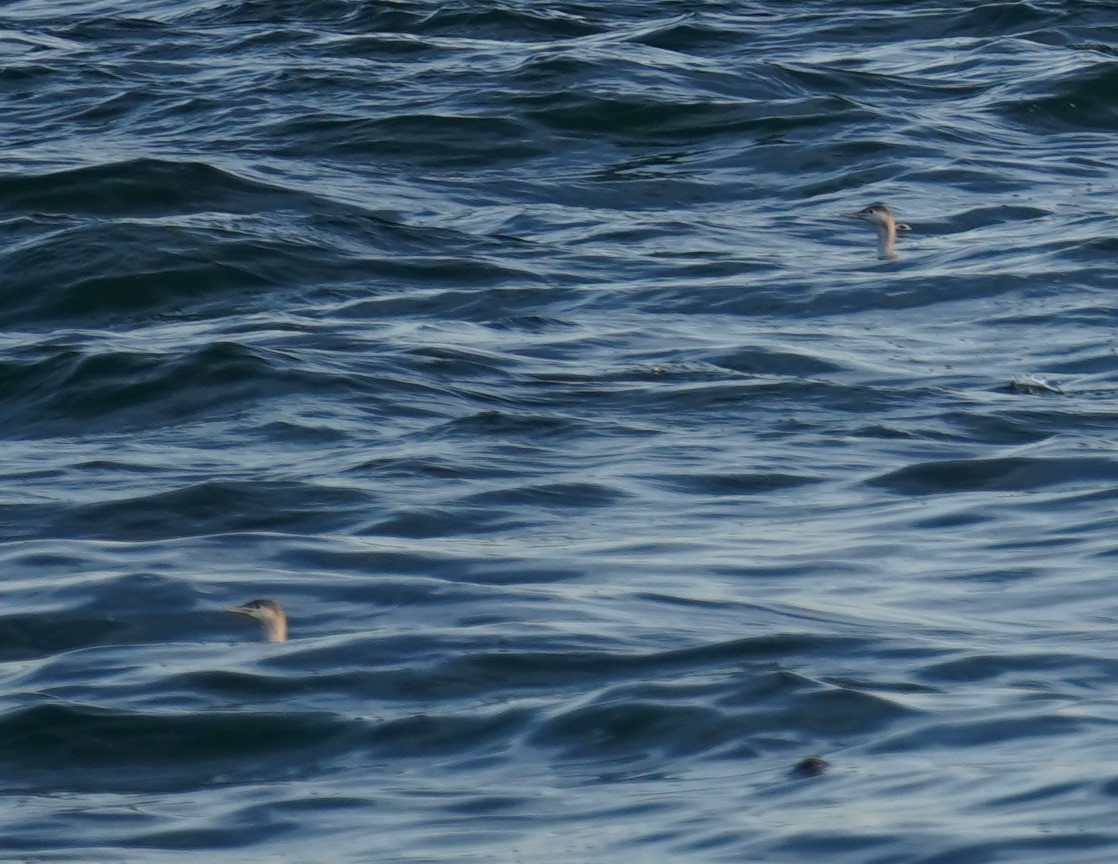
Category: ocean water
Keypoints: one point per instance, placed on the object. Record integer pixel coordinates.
(523, 353)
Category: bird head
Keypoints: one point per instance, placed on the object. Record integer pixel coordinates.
(269, 613)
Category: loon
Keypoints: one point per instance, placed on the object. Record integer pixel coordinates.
(270, 615)
(887, 227)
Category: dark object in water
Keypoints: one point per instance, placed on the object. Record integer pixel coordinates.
(813, 766)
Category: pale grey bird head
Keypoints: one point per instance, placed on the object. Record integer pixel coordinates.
(270, 615)
(877, 213)
(881, 217)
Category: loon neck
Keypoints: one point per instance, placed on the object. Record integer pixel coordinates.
(887, 240)
(275, 630)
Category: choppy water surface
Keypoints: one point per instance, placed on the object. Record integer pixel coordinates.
(520, 350)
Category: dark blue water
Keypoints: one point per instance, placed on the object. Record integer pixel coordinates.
(521, 351)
